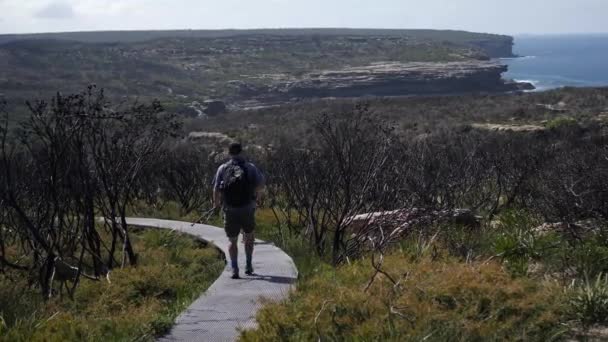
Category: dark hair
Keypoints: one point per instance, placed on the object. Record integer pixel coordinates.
(235, 149)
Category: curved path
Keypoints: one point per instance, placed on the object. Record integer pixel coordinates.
(229, 305)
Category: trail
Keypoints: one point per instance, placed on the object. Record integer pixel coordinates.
(229, 305)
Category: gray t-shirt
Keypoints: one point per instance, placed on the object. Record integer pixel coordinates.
(253, 173)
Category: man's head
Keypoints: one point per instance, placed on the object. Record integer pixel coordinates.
(235, 149)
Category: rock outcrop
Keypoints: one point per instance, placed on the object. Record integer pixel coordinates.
(397, 221)
(495, 48)
(579, 229)
(508, 127)
(398, 79)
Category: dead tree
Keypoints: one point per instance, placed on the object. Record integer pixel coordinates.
(187, 172)
(70, 159)
(334, 178)
(123, 143)
(45, 182)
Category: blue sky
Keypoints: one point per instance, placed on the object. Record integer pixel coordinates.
(509, 17)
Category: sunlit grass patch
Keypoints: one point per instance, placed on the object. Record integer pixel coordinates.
(140, 303)
(435, 300)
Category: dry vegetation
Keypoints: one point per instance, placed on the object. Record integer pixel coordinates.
(140, 303)
(415, 115)
(70, 162)
(434, 300)
(504, 275)
(500, 278)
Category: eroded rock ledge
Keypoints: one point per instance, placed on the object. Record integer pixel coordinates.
(392, 79)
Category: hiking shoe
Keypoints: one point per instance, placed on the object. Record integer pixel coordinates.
(235, 274)
(249, 270)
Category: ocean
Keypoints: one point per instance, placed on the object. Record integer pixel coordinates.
(555, 61)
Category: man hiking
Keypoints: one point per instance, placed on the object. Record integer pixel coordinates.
(236, 186)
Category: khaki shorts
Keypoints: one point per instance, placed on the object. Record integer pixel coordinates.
(237, 220)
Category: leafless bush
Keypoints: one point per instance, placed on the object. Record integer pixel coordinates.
(71, 159)
(187, 175)
(354, 164)
(334, 177)
(572, 186)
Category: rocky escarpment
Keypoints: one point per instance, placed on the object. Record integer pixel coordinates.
(392, 79)
(495, 48)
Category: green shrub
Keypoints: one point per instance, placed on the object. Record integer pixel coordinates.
(589, 258)
(517, 244)
(561, 122)
(589, 301)
(467, 243)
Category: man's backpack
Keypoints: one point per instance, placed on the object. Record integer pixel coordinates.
(237, 186)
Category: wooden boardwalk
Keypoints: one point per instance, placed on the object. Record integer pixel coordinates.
(229, 305)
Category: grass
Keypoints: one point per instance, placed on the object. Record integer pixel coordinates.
(509, 282)
(140, 303)
(436, 300)
(506, 282)
(168, 211)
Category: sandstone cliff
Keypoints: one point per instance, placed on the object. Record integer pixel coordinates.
(499, 47)
(390, 79)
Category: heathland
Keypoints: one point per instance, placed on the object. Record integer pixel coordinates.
(185, 68)
(491, 219)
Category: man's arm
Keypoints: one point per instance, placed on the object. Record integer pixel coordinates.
(260, 184)
(259, 193)
(217, 199)
(217, 193)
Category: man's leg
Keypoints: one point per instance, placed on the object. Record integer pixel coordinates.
(231, 225)
(249, 238)
(233, 250)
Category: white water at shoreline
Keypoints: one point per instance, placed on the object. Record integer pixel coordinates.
(550, 62)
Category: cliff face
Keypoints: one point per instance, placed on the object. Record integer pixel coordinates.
(394, 79)
(495, 48)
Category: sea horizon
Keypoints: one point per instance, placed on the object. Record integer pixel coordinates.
(552, 61)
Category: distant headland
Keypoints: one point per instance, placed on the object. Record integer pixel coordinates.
(257, 67)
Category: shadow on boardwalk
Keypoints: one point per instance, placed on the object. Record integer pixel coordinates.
(272, 279)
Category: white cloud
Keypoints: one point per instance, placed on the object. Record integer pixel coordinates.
(110, 7)
(56, 10)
